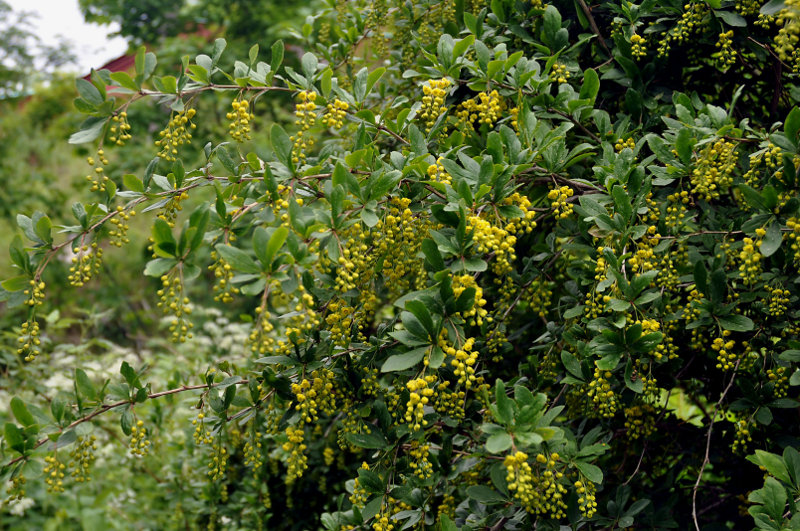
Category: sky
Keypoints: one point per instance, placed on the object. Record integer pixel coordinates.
(89, 42)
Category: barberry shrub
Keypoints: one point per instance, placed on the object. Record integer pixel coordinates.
(511, 265)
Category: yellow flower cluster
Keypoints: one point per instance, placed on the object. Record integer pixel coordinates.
(449, 403)
(82, 455)
(644, 259)
(477, 313)
(519, 476)
(173, 301)
(601, 394)
(725, 56)
(691, 19)
(169, 212)
(298, 460)
(488, 238)
(177, 133)
(118, 236)
(218, 463)
(303, 319)
(305, 112)
(486, 108)
(400, 238)
(527, 222)
(418, 459)
(542, 493)
(139, 445)
(463, 361)
(640, 420)
(638, 46)
(29, 342)
(201, 435)
(252, 453)
(748, 7)
(726, 359)
(239, 117)
(54, 474)
(713, 172)
(742, 438)
(778, 301)
(433, 106)
(586, 497)
(223, 289)
(335, 112)
(419, 396)
(360, 494)
(793, 224)
(437, 173)
(788, 19)
(98, 178)
(560, 74)
(85, 264)
(780, 380)
(120, 129)
(315, 395)
(16, 489)
(341, 318)
(750, 258)
(621, 144)
(676, 212)
(559, 198)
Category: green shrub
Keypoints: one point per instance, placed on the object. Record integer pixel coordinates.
(512, 265)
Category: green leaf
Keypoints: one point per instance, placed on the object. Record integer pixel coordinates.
(432, 254)
(89, 92)
(447, 524)
(591, 84)
(401, 362)
(792, 125)
(21, 412)
(736, 323)
(274, 244)
(421, 312)
(772, 240)
(498, 443)
(372, 440)
(17, 283)
(159, 266)
(133, 183)
(773, 463)
(13, 437)
(90, 130)
(277, 55)
(309, 63)
(238, 259)
(592, 472)
(281, 144)
(504, 405)
(572, 364)
(84, 385)
(485, 495)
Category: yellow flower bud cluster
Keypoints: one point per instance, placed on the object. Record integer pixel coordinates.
(750, 258)
(201, 435)
(398, 239)
(382, 522)
(713, 172)
(586, 497)
(463, 361)
(780, 379)
(793, 223)
(419, 396)
(120, 129)
(449, 403)
(360, 494)
(560, 74)
(437, 173)
(118, 236)
(748, 7)
(139, 444)
(486, 108)
(559, 198)
(540, 493)
(645, 259)
(638, 46)
(28, 340)
(788, 19)
(315, 395)
(354, 261)
(174, 302)
(261, 339)
(177, 133)
(742, 438)
(434, 93)
(525, 223)
(328, 455)
(240, 117)
(514, 113)
(218, 463)
(54, 474)
(98, 178)
(601, 395)
(778, 301)
(16, 489)
(297, 462)
(628, 143)
(640, 420)
(169, 212)
(303, 319)
(85, 264)
(726, 358)
(477, 313)
(691, 20)
(725, 57)
(418, 459)
(676, 212)
(335, 112)
(82, 455)
(488, 238)
(305, 112)
(341, 318)
(223, 289)
(252, 453)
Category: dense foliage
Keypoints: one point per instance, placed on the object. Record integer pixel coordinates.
(507, 266)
